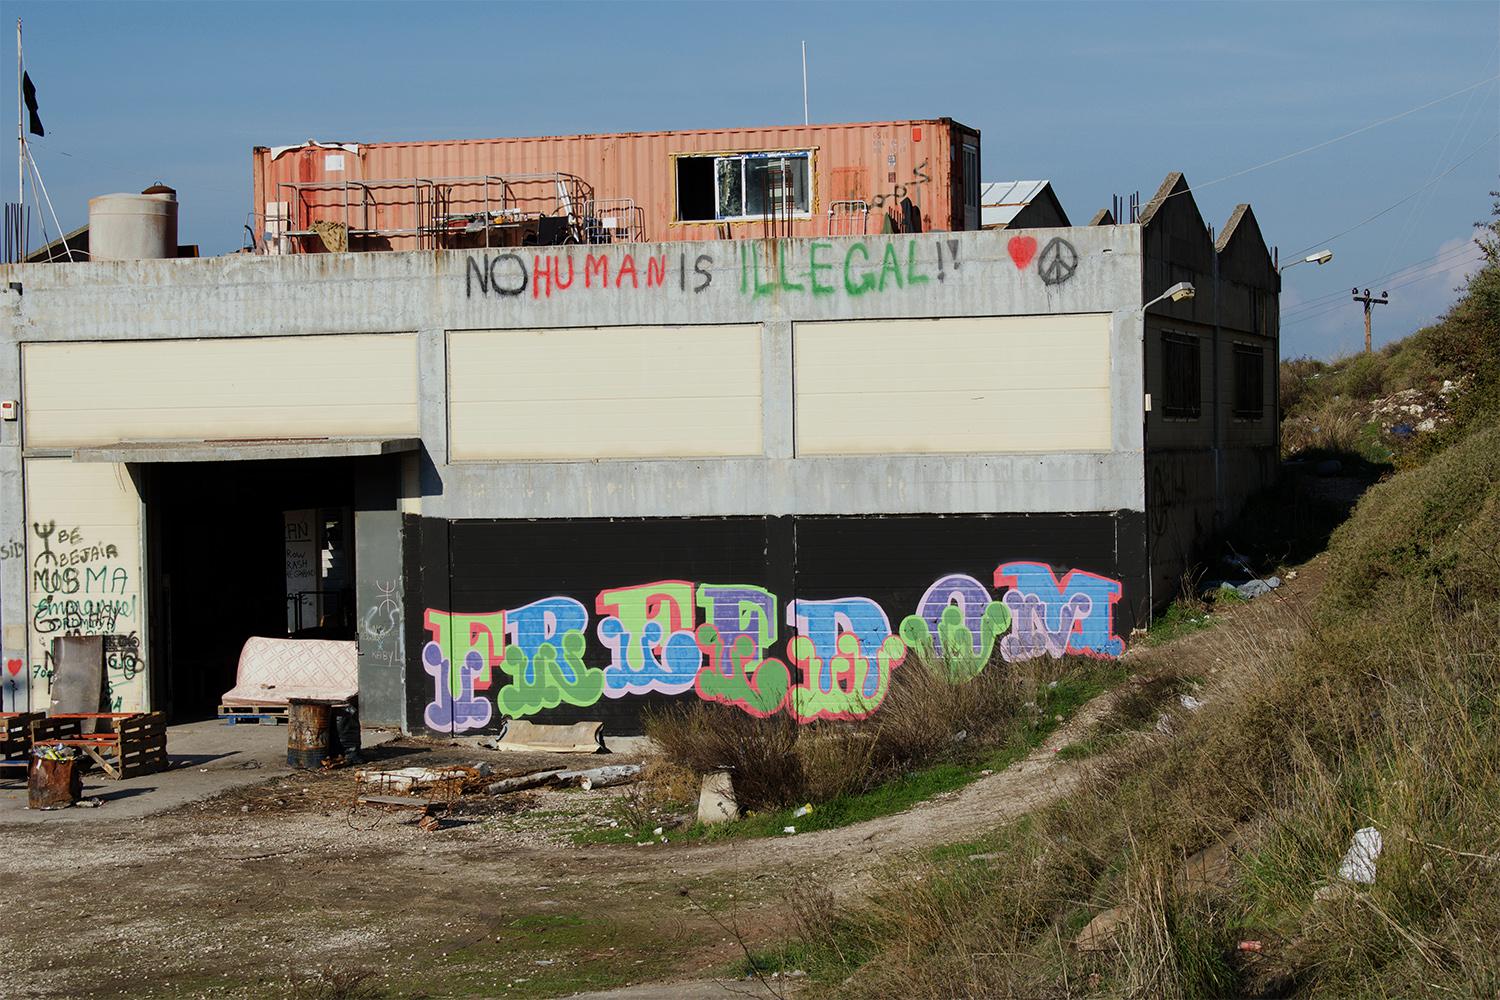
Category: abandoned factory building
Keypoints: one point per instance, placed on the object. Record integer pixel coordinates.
(754, 437)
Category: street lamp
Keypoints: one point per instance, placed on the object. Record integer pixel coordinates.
(1178, 292)
(1320, 258)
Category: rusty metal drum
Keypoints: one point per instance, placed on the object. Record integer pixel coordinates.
(54, 784)
(309, 732)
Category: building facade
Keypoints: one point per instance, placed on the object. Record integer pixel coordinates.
(571, 482)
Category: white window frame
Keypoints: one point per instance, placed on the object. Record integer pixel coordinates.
(744, 158)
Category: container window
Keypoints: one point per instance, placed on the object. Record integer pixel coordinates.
(1249, 382)
(695, 188)
(1182, 389)
(743, 186)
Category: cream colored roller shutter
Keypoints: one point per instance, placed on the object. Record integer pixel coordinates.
(79, 394)
(988, 385)
(605, 392)
(84, 572)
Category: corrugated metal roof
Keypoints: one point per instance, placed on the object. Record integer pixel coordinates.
(1000, 201)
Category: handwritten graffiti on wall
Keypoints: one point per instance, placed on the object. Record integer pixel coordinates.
(761, 268)
(79, 586)
(719, 642)
(381, 624)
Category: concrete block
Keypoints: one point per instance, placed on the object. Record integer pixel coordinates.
(716, 802)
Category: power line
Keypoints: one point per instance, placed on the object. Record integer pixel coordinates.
(1346, 135)
(1468, 156)
(1457, 142)
(1418, 272)
(1312, 304)
(1432, 270)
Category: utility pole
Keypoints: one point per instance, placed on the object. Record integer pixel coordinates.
(1370, 301)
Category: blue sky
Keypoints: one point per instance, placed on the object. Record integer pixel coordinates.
(1102, 98)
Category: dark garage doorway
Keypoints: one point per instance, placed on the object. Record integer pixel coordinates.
(240, 549)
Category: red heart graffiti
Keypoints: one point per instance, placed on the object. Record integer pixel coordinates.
(14, 666)
(1022, 250)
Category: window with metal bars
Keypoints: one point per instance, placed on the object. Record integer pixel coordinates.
(1249, 382)
(1181, 385)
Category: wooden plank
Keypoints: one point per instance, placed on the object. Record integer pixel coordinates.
(399, 802)
(229, 710)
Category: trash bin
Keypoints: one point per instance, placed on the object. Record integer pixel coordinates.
(308, 732)
(346, 731)
(56, 780)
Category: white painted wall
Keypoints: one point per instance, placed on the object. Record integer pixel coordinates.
(93, 393)
(973, 384)
(605, 392)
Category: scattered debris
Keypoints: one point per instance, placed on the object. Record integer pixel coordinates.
(716, 801)
(93, 803)
(449, 781)
(600, 777)
(1359, 863)
(429, 823)
(1099, 934)
(523, 781)
(1336, 890)
(1209, 868)
(424, 806)
(803, 810)
(1190, 703)
(581, 737)
(789, 829)
(1255, 946)
(1253, 588)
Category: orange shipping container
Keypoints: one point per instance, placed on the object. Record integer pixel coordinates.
(908, 176)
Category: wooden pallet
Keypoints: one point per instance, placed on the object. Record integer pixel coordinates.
(265, 715)
(15, 740)
(133, 743)
(15, 731)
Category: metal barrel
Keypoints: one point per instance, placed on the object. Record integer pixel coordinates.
(54, 784)
(308, 733)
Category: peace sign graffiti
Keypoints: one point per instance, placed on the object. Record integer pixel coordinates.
(1057, 261)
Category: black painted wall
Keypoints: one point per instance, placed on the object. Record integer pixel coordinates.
(478, 567)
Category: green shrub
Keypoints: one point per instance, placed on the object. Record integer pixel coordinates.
(1437, 527)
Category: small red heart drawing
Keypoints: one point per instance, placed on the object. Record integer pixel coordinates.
(14, 666)
(1022, 250)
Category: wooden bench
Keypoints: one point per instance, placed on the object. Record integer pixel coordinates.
(134, 743)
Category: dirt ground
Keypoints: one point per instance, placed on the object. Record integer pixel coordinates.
(251, 892)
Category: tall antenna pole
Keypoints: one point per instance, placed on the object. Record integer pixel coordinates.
(20, 148)
(804, 78)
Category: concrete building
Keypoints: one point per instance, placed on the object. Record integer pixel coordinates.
(569, 482)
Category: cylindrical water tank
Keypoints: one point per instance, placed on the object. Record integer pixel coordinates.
(133, 226)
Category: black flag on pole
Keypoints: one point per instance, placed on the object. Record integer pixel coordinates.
(28, 90)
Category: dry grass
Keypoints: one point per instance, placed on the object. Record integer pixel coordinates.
(1378, 709)
(933, 710)
(763, 754)
(1335, 427)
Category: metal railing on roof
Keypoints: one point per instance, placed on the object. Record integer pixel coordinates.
(481, 210)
